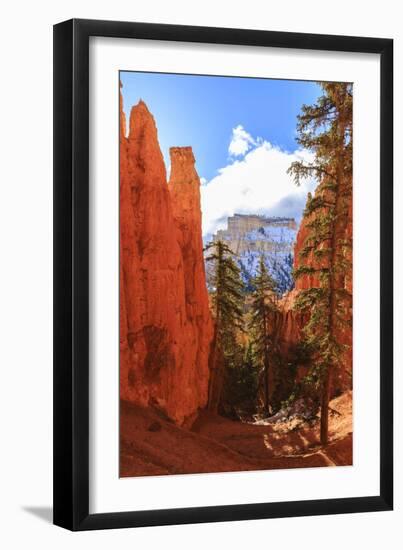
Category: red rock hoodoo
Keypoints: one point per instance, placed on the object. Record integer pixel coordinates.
(165, 323)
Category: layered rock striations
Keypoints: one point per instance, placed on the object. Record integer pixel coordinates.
(251, 236)
(253, 233)
(165, 323)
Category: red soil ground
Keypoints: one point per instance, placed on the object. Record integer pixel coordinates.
(152, 445)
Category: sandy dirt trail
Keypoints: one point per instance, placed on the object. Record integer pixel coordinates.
(152, 445)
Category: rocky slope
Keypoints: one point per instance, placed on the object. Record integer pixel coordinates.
(165, 324)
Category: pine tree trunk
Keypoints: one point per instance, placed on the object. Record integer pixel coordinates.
(215, 386)
(216, 376)
(324, 414)
(216, 367)
(266, 385)
(335, 278)
(266, 369)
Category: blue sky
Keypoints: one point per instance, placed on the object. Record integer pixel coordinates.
(242, 131)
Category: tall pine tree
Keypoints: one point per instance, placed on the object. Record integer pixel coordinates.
(239, 395)
(262, 308)
(228, 299)
(326, 129)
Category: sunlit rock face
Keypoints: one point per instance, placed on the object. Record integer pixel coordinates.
(165, 324)
(251, 236)
(184, 187)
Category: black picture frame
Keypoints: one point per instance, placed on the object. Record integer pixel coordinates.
(71, 274)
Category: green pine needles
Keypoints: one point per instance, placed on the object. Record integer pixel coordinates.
(326, 129)
(263, 309)
(228, 303)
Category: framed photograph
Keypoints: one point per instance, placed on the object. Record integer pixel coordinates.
(223, 303)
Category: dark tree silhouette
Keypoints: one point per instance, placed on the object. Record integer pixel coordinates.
(228, 298)
(262, 309)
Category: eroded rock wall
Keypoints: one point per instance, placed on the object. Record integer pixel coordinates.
(291, 322)
(165, 323)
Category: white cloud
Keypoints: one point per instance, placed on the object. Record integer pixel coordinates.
(241, 142)
(256, 184)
